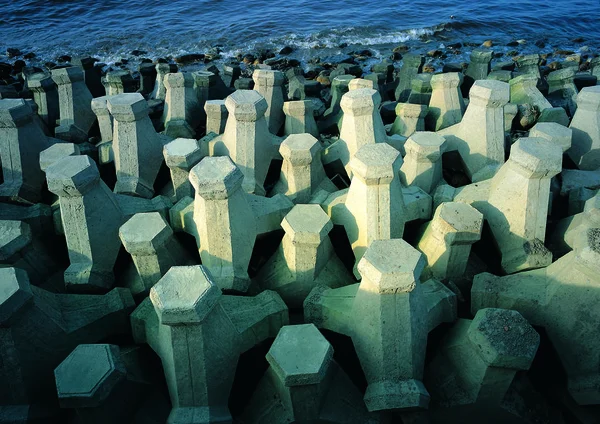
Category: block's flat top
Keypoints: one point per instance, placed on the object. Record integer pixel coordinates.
(182, 147)
(14, 236)
(300, 355)
(307, 223)
(461, 217)
(145, 227)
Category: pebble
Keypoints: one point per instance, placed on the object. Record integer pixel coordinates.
(488, 43)
(286, 50)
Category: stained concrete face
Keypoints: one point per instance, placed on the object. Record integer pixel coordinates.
(396, 313)
(523, 90)
(117, 82)
(76, 115)
(446, 106)
(409, 119)
(561, 89)
(182, 111)
(216, 116)
(423, 161)
(45, 95)
(585, 148)
(334, 114)
(180, 156)
(160, 89)
(412, 65)
(479, 67)
(105, 120)
(270, 85)
(420, 93)
(199, 335)
(21, 141)
(134, 142)
(299, 118)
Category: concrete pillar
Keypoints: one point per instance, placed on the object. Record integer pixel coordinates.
(412, 64)
(91, 219)
(446, 106)
(478, 69)
(225, 222)
(199, 335)
(409, 119)
(135, 142)
(556, 133)
(182, 110)
(358, 83)
(529, 65)
(203, 82)
(476, 359)
(420, 87)
(561, 89)
(388, 317)
(547, 298)
(299, 118)
(246, 139)
(149, 240)
(147, 79)
(117, 82)
(216, 116)
(92, 74)
(180, 156)
(160, 90)
(304, 383)
(585, 147)
(334, 114)
(39, 330)
(523, 90)
(302, 173)
(270, 85)
(422, 165)
(21, 141)
(76, 115)
(447, 239)
(45, 96)
(105, 120)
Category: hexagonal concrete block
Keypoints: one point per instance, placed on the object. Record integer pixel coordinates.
(410, 110)
(553, 132)
(298, 107)
(376, 163)
(72, 176)
(363, 101)
(88, 375)
(300, 355)
(216, 177)
(246, 105)
(267, 77)
(57, 152)
(15, 292)
(504, 338)
(589, 98)
(460, 222)
(490, 93)
(67, 75)
(13, 112)
(184, 295)
(182, 153)
(300, 149)
(391, 266)
(204, 78)
(426, 145)
(448, 80)
(14, 236)
(143, 233)
(127, 107)
(307, 224)
(538, 157)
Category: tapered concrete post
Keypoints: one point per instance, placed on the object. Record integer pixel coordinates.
(270, 85)
(147, 78)
(447, 239)
(199, 335)
(409, 119)
(92, 74)
(420, 90)
(225, 222)
(412, 64)
(105, 120)
(216, 116)
(481, 357)
(529, 64)
(547, 298)
(21, 141)
(299, 118)
(204, 81)
(556, 133)
(375, 202)
(149, 240)
(422, 165)
(334, 114)
(137, 147)
(247, 139)
(561, 89)
(45, 96)
(160, 90)
(76, 115)
(182, 110)
(388, 316)
(585, 148)
(180, 156)
(479, 67)
(304, 383)
(446, 106)
(39, 330)
(302, 173)
(91, 219)
(518, 203)
(117, 82)
(523, 90)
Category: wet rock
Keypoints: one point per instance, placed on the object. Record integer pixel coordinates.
(498, 55)
(29, 55)
(12, 52)
(452, 67)
(324, 80)
(395, 56)
(527, 116)
(428, 68)
(248, 58)
(5, 69)
(578, 40)
(434, 53)
(138, 52)
(145, 61)
(454, 46)
(512, 53)
(18, 66)
(561, 52)
(488, 43)
(286, 50)
(50, 65)
(540, 44)
(292, 63)
(63, 58)
(402, 48)
(189, 58)
(512, 44)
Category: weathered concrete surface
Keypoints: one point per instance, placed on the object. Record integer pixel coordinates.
(409, 119)
(270, 85)
(299, 118)
(180, 156)
(446, 106)
(422, 165)
(585, 148)
(105, 120)
(182, 112)
(45, 95)
(216, 116)
(412, 64)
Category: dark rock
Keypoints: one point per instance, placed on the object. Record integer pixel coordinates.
(584, 80)
(286, 50)
(292, 63)
(18, 66)
(343, 45)
(578, 40)
(146, 60)
(396, 56)
(434, 53)
(248, 58)
(540, 44)
(349, 60)
(189, 58)
(5, 70)
(12, 52)
(454, 46)
(512, 53)
(452, 67)
(564, 52)
(209, 57)
(402, 48)
(63, 58)
(512, 44)
(138, 52)
(124, 61)
(29, 55)
(498, 54)
(367, 53)
(50, 65)
(161, 60)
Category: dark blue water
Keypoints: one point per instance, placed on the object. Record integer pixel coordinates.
(111, 29)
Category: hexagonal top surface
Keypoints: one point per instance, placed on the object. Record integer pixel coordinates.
(15, 292)
(215, 106)
(359, 102)
(480, 55)
(184, 295)
(342, 80)
(297, 107)
(358, 83)
(182, 153)
(538, 156)
(564, 74)
(14, 236)
(554, 132)
(117, 76)
(246, 105)
(300, 149)
(375, 162)
(391, 266)
(426, 144)
(504, 338)
(589, 98)
(126, 105)
(87, 376)
(525, 79)
(143, 233)
(490, 93)
(216, 177)
(67, 75)
(458, 217)
(178, 79)
(57, 152)
(300, 355)
(13, 111)
(72, 176)
(413, 59)
(307, 224)
(267, 77)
